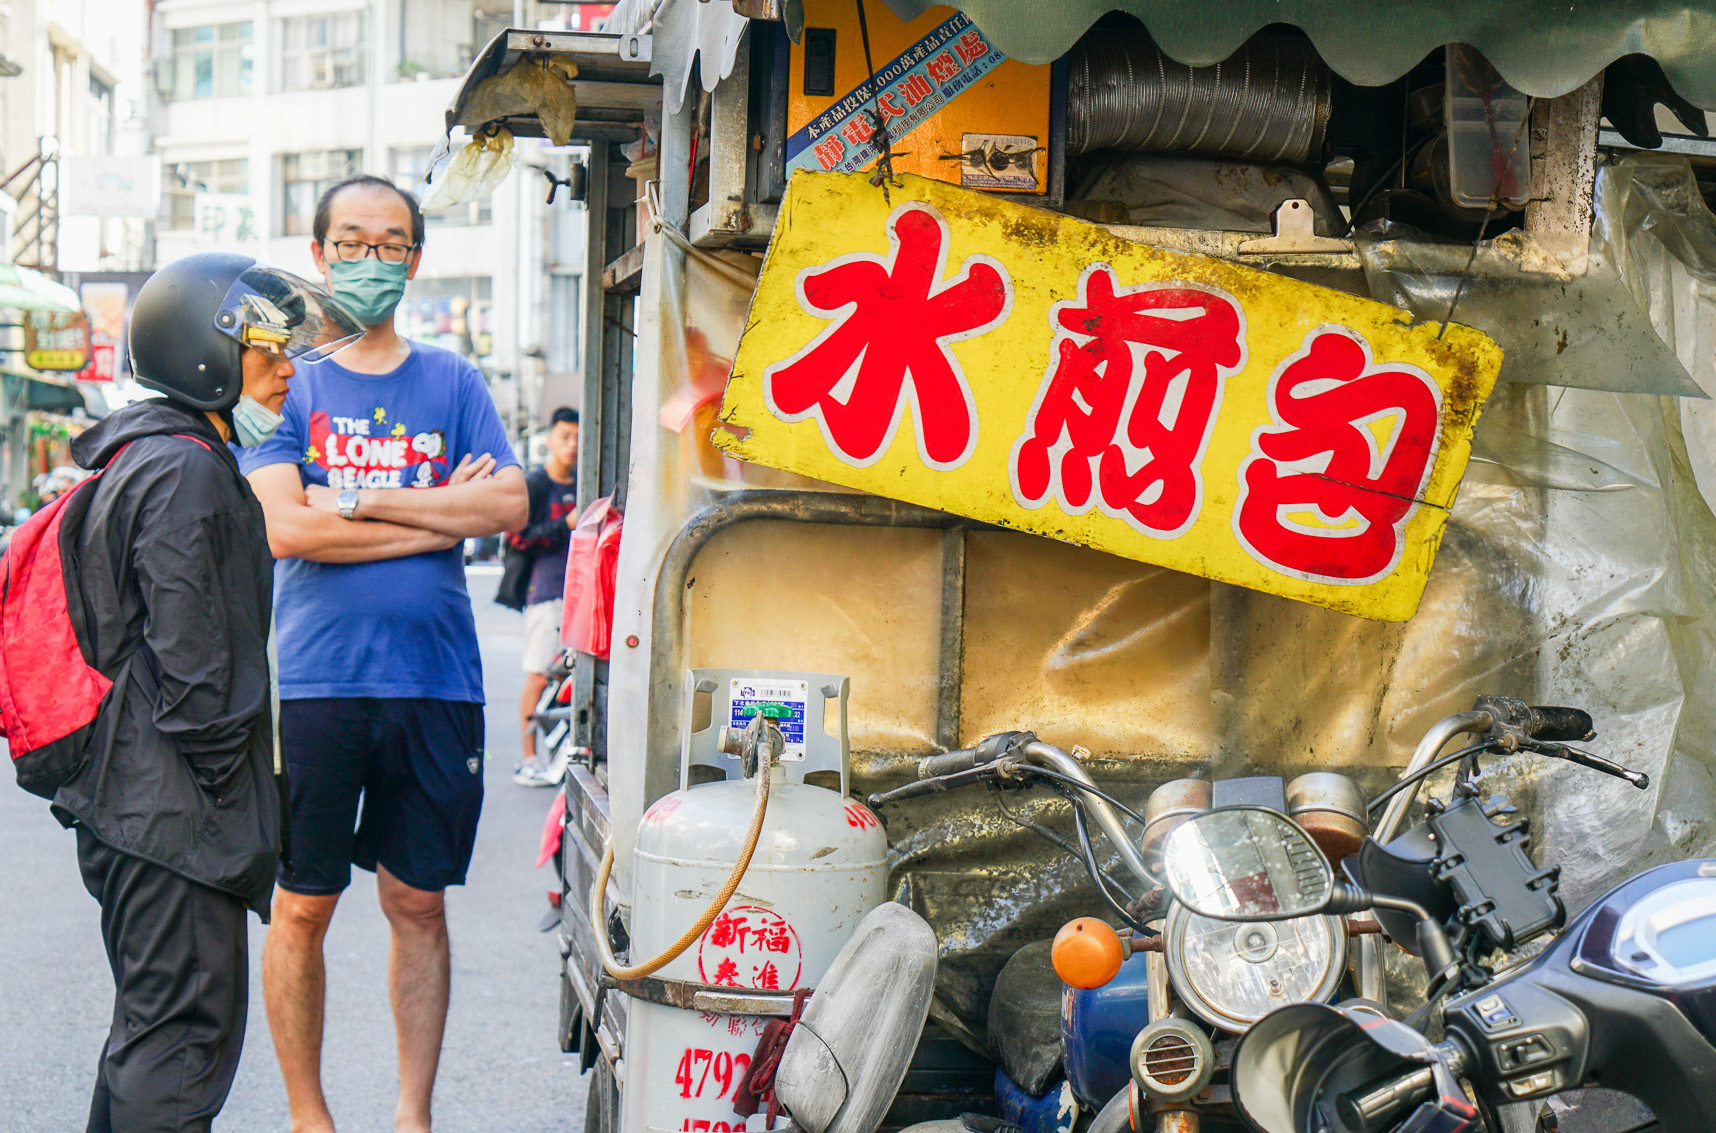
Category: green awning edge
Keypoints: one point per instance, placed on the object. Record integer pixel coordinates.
(1543, 47)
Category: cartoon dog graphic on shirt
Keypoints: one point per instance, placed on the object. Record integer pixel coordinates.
(431, 446)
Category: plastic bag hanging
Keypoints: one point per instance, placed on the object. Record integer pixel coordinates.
(534, 87)
(474, 171)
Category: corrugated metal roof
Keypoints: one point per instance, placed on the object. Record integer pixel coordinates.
(1543, 47)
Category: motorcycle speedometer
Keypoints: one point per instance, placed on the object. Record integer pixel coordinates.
(1231, 974)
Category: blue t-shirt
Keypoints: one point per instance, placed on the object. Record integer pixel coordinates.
(400, 627)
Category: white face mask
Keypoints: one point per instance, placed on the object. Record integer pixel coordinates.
(253, 422)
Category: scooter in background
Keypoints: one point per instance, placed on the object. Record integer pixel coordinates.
(552, 720)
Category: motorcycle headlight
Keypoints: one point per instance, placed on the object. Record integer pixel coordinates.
(1231, 974)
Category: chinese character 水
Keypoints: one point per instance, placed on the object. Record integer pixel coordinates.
(894, 319)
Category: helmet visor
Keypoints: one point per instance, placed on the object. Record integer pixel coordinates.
(276, 311)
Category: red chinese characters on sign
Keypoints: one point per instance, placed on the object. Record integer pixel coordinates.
(1329, 485)
(971, 47)
(1125, 412)
(858, 129)
(752, 947)
(829, 151)
(942, 67)
(888, 345)
(915, 89)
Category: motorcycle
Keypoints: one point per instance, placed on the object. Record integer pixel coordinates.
(1151, 1014)
(1623, 998)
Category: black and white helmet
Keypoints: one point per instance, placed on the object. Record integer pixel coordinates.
(192, 317)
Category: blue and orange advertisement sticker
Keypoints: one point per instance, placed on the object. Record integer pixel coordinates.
(1033, 371)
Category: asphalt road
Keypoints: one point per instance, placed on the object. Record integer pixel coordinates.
(501, 1071)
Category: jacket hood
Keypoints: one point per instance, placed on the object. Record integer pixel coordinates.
(97, 445)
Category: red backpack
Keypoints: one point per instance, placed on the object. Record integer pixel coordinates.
(50, 693)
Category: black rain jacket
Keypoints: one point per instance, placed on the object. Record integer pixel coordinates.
(177, 589)
(542, 535)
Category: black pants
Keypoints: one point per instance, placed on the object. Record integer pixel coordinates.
(181, 987)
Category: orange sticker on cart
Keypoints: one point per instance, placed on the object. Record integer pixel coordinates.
(1030, 370)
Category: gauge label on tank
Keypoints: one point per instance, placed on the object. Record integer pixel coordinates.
(783, 700)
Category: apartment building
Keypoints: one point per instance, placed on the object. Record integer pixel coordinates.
(262, 104)
(71, 92)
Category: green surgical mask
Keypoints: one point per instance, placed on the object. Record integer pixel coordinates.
(368, 288)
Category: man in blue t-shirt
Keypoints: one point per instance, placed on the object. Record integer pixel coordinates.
(385, 463)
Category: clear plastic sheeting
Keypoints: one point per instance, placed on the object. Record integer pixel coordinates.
(705, 312)
(1651, 217)
(1585, 331)
(685, 32)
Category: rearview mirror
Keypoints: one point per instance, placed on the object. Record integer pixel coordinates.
(1246, 863)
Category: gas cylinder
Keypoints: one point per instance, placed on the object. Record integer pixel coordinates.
(820, 865)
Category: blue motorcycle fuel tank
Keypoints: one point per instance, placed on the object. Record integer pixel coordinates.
(1097, 1029)
(1054, 1112)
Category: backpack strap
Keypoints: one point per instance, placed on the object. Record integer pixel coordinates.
(115, 458)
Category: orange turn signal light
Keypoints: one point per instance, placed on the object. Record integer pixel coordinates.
(1086, 953)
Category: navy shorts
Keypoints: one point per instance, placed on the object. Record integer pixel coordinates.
(397, 783)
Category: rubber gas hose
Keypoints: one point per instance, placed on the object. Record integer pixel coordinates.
(599, 922)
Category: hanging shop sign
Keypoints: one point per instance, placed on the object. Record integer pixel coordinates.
(56, 340)
(105, 303)
(1029, 370)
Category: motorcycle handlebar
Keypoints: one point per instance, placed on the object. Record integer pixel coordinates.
(1559, 725)
(964, 759)
(969, 765)
(1491, 714)
(1374, 1107)
(948, 763)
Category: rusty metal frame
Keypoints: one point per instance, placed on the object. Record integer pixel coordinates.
(690, 996)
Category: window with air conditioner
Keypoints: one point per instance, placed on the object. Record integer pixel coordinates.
(323, 52)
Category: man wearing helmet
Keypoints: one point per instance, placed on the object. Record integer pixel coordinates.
(176, 808)
(388, 460)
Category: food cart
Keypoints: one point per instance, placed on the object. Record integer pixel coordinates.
(1465, 165)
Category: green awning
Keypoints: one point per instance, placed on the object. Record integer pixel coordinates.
(26, 389)
(1543, 47)
(22, 289)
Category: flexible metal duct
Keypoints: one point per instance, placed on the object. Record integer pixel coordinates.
(1268, 102)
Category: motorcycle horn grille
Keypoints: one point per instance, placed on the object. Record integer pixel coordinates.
(1170, 1060)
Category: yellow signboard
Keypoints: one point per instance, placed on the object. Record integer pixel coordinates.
(56, 340)
(1030, 370)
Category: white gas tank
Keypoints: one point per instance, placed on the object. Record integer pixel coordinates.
(820, 865)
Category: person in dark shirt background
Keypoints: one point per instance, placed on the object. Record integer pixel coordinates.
(553, 513)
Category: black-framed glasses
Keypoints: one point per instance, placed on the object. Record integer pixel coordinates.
(386, 253)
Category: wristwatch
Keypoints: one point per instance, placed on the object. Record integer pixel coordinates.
(348, 501)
